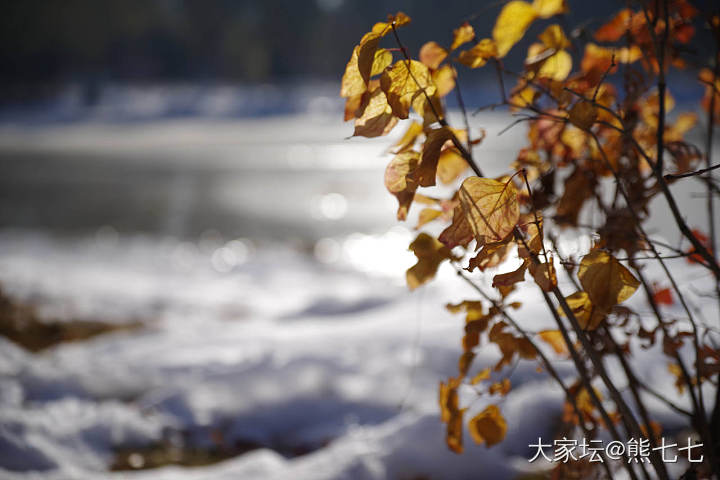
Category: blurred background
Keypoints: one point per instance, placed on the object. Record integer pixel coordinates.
(200, 273)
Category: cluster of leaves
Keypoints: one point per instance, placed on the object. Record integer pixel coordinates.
(598, 134)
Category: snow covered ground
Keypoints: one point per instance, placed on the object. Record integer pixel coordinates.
(287, 327)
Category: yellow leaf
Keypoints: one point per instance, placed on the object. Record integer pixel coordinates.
(352, 82)
(483, 374)
(432, 55)
(588, 316)
(548, 8)
(407, 141)
(555, 339)
(430, 254)
(606, 281)
(488, 426)
(557, 67)
(427, 215)
(450, 165)
(510, 26)
(554, 37)
(377, 119)
(502, 387)
(366, 56)
(403, 82)
(478, 55)
(434, 142)
(399, 181)
(461, 35)
(491, 207)
(583, 114)
(444, 80)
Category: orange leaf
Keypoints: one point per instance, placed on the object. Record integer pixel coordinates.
(488, 426)
(555, 339)
(432, 55)
(583, 114)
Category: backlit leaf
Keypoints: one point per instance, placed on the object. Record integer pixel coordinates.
(430, 254)
(555, 339)
(459, 232)
(613, 30)
(548, 8)
(434, 142)
(490, 206)
(407, 141)
(606, 281)
(450, 165)
(432, 55)
(352, 82)
(377, 119)
(399, 180)
(403, 82)
(510, 26)
(461, 35)
(488, 427)
(478, 55)
(444, 80)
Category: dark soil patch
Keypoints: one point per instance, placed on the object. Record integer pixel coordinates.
(21, 324)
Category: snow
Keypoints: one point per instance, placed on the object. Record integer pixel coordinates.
(309, 344)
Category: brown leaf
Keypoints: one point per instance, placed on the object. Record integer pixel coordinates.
(491, 255)
(459, 232)
(426, 173)
(583, 114)
(377, 119)
(399, 180)
(490, 206)
(510, 278)
(488, 426)
(502, 387)
(544, 275)
(430, 254)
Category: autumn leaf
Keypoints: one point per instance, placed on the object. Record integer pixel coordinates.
(430, 254)
(459, 232)
(606, 281)
(432, 55)
(483, 374)
(510, 26)
(377, 119)
(399, 180)
(426, 216)
(490, 206)
(488, 427)
(427, 171)
(461, 35)
(588, 316)
(352, 81)
(444, 80)
(613, 30)
(450, 165)
(502, 387)
(662, 296)
(583, 114)
(548, 8)
(403, 82)
(544, 275)
(491, 255)
(408, 139)
(478, 55)
(510, 278)
(555, 339)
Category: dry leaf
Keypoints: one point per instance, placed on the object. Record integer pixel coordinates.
(461, 35)
(488, 426)
(491, 207)
(430, 254)
(510, 26)
(403, 82)
(606, 281)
